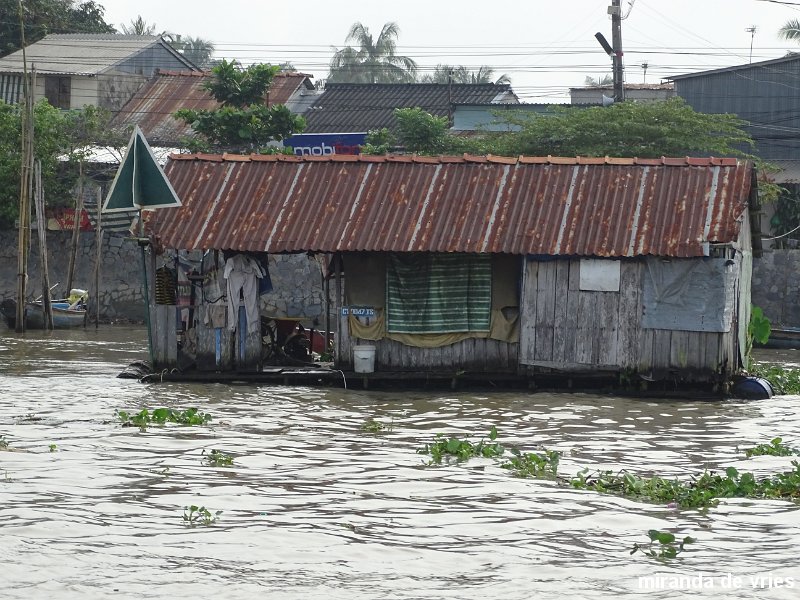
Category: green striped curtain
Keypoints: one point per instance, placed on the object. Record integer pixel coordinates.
(438, 293)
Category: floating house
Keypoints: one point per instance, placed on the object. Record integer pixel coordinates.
(521, 267)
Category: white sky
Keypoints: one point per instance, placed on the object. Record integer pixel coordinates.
(545, 47)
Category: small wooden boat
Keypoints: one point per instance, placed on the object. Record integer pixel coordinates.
(65, 314)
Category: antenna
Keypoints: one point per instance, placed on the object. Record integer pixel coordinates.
(644, 68)
(752, 31)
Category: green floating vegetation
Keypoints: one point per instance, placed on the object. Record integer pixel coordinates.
(696, 492)
(784, 381)
(530, 464)
(162, 416)
(776, 447)
(217, 458)
(445, 448)
(663, 545)
(199, 515)
(53, 447)
(3, 443)
(375, 426)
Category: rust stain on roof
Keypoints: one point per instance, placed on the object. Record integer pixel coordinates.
(152, 107)
(529, 205)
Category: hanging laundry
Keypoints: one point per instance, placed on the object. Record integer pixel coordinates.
(242, 273)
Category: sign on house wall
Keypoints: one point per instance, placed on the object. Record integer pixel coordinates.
(326, 144)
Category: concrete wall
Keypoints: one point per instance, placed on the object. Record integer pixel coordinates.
(296, 279)
(776, 286)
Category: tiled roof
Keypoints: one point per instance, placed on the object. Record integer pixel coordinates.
(551, 206)
(351, 107)
(81, 53)
(152, 107)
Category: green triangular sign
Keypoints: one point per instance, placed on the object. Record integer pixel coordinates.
(140, 183)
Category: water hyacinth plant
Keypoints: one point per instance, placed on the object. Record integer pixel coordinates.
(199, 515)
(162, 416)
(663, 545)
(776, 447)
(444, 447)
(217, 458)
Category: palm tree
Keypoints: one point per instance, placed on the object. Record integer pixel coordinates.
(372, 61)
(790, 30)
(598, 81)
(196, 49)
(461, 74)
(138, 26)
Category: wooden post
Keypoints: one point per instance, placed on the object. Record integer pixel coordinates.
(327, 287)
(41, 221)
(98, 258)
(76, 227)
(338, 304)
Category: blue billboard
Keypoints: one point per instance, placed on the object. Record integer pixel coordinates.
(325, 144)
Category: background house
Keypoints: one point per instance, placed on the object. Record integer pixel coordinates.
(75, 70)
(152, 107)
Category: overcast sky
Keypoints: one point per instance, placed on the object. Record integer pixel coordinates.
(545, 47)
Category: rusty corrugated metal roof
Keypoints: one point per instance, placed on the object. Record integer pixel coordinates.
(152, 107)
(551, 206)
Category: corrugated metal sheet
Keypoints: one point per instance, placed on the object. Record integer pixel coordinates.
(359, 107)
(80, 53)
(549, 206)
(152, 107)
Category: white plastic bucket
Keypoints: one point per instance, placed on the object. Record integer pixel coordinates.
(364, 359)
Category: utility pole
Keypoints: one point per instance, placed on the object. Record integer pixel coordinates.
(616, 43)
(752, 31)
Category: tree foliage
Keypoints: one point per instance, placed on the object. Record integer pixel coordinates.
(42, 17)
(244, 122)
(139, 26)
(196, 49)
(60, 143)
(790, 30)
(598, 81)
(626, 129)
(372, 60)
(462, 74)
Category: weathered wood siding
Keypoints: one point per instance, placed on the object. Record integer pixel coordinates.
(163, 326)
(220, 350)
(474, 354)
(567, 329)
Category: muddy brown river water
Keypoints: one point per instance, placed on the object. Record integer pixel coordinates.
(314, 507)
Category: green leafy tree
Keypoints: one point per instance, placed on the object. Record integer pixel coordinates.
(41, 17)
(60, 143)
(625, 129)
(461, 74)
(372, 60)
(243, 123)
(421, 131)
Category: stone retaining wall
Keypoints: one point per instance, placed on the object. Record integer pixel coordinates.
(776, 286)
(296, 279)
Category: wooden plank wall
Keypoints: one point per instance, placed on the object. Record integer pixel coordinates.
(219, 350)
(567, 329)
(163, 325)
(474, 354)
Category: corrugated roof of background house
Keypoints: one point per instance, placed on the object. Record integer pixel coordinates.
(359, 107)
(152, 106)
(550, 206)
(792, 56)
(82, 53)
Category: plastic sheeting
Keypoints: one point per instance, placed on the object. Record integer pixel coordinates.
(690, 295)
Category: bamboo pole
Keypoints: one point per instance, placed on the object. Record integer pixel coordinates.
(76, 228)
(38, 196)
(24, 189)
(98, 259)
